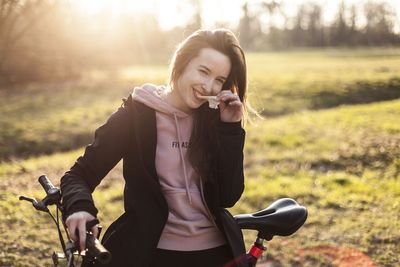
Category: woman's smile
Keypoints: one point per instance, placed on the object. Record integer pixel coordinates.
(198, 95)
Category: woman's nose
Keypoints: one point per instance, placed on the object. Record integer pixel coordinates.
(207, 87)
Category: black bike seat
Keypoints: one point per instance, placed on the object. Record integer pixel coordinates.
(282, 218)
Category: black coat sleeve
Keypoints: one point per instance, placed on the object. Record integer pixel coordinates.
(230, 163)
(98, 159)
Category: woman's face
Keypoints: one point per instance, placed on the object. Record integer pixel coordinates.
(203, 76)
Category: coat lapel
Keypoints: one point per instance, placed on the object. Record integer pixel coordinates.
(146, 137)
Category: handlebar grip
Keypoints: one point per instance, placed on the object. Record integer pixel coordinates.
(48, 187)
(96, 249)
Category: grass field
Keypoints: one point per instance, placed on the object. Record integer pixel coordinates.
(330, 139)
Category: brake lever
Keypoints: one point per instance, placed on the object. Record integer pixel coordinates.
(38, 205)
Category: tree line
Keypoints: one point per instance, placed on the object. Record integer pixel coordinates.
(47, 40)
(308, 28)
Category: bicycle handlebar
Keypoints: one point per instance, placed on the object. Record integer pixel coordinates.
(53, 194)
(53, 197)
(96, 249)
(48, 187)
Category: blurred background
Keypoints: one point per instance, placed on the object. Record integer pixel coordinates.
(324, 74)
(44, 40)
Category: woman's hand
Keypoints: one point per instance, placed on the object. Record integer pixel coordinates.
(231, 108)
(77, 221)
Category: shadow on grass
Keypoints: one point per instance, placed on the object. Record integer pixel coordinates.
(326, 96)
(359, 93)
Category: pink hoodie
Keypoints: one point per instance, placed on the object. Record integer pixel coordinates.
(189, 226)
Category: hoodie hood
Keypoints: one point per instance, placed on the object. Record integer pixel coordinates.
(153, 96)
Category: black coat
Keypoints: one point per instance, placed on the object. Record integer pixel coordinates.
(130, 134)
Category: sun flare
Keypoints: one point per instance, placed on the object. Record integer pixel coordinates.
(166, 11)
(169, 13)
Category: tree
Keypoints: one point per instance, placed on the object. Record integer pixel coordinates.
(16, 18)
(314, 26)
(196, 21)
(354, 34)
(340, 29)
(245, 31)
(271, 7)
(297, 35)
(250, 35)
(380, 23)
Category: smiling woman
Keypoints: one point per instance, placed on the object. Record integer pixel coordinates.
(183, 165)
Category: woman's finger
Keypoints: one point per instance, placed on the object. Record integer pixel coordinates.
(71, 226)
(228, 99)
(225, 93)
(235, 103)
(95, 231)
(82, 234)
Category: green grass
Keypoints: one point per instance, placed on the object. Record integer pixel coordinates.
(351, 203)
(43, 119)
(339, 159)
(343, 164)
(321, 79)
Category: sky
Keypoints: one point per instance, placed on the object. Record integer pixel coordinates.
(173, 13)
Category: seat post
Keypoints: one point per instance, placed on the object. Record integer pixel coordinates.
(256, 251)
(259, 242)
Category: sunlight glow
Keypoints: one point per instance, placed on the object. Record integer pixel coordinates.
(171, 13)
(92, 7)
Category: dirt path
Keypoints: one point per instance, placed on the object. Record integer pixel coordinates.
(334, 255)
(340, 256)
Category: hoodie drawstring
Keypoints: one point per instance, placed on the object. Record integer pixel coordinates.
(210, 215)
(182, 159)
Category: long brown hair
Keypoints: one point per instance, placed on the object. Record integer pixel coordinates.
(204, 141)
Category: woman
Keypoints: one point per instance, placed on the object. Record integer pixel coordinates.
(183, 162)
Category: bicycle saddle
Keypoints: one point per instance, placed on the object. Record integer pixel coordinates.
(282, 218)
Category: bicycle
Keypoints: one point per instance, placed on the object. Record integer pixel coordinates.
(282, 218)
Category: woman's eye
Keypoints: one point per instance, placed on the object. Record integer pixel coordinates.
(203, 71)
